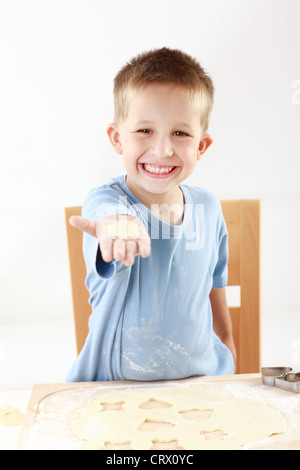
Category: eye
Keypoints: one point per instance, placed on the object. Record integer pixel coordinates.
(144, 131)
(180, 133)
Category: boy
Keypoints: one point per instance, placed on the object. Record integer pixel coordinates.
(156, 249)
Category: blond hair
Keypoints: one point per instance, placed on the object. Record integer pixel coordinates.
(164, 67)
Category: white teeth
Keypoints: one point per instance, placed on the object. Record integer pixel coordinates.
(158, 169)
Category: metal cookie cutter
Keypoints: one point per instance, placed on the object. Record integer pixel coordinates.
(290, 382)
(281, 377)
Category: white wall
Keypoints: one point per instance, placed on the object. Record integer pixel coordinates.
(58, 59)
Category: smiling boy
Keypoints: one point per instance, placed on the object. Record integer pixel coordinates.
(158, 296)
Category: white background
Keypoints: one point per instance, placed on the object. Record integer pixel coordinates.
(58, 59)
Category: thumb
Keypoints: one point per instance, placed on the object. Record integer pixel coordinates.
(83, 224)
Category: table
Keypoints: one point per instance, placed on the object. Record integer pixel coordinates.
(247, 386)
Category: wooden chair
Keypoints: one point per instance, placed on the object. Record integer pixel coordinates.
(243, 223)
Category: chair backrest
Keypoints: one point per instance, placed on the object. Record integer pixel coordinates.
(243, 223)
(80, 295)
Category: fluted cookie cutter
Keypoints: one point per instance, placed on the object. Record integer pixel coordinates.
(281, 377)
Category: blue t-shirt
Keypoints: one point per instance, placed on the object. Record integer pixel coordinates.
(153, 320)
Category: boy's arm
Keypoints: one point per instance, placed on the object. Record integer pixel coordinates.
(117, 240)
(221, 318)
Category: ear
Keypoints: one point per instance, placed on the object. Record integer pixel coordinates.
(205, 142)
(114, 137)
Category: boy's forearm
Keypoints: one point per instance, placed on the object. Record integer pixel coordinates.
(228, 341)
(221, 318)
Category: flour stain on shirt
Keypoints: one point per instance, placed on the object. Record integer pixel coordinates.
(161, 352)
(136, 367)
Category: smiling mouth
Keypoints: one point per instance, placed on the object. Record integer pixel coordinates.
(158, 169)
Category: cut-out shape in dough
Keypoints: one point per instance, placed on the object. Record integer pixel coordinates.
(216, 434)
(118, 446)
(153, 404)
(196, 415)
(233, 423)
(149, 426)
(166, 445)
(116, 406)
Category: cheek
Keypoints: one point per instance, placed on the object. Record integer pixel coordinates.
(135, 149)
(190, 152)
(131, 155)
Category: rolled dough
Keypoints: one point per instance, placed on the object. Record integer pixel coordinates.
(123, 229)
(180, 417)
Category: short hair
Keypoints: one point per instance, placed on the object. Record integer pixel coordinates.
(164, 67)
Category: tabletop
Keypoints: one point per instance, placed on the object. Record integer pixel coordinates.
(246, 386)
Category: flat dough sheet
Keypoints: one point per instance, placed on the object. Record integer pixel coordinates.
(174, 418)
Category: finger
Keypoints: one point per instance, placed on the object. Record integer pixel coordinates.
(144, 246)
(106, 249)
(144, 242)
(131, 252)
(83, 224)
(119, 249)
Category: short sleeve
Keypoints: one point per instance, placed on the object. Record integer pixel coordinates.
(220, 275)
(103, 201)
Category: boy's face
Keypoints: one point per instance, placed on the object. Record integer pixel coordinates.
(161, 140)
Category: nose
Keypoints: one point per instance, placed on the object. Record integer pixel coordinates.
(162, 148)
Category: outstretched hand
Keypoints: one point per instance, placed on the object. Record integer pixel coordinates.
(121, 237)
